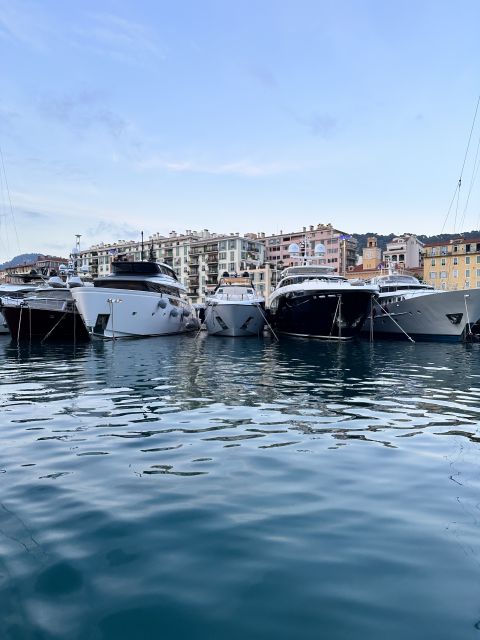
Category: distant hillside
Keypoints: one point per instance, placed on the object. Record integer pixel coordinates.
(21, 259)
(383, 240)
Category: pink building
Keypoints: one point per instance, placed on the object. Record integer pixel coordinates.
(340, 248)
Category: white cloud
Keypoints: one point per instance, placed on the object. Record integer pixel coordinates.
(122, 39)
(246, 168)
(23, 23)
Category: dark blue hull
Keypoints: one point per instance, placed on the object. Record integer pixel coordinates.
(25, 323)
(320, 314)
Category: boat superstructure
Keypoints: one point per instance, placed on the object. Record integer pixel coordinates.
(407, 306)
(137, 299)
(311, 300)
(235, 309)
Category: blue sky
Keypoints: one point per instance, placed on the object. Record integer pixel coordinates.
(234, 116)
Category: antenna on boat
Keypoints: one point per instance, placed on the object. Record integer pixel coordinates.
(77, 253)
(294, 250)
(142, 247)
(151, 253)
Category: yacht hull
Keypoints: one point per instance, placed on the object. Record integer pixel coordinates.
(325, 314)
(445, 316)
(3, 325)
(121, 313)
(231, 319)
(25, 323)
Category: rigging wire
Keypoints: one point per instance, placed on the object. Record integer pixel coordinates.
(472, 182)
(459, 183)
(4, 176)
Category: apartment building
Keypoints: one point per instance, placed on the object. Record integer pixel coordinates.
(340, 248)
(453, 265)
(210, 257)
(43, 265)
(404, 252)
(198, 258)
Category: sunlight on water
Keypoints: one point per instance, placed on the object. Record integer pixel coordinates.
(239, 488)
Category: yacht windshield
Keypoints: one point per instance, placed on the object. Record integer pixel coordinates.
(142, 268)
(302, 278)
(136, 285)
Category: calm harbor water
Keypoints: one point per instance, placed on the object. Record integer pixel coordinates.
(239, 488)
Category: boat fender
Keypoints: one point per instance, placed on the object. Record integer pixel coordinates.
(162, 304)
(174, 313)
(186, 313)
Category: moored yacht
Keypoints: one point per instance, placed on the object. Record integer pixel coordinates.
(137, 299)
(311, 300)
(12, 292)
(235, 309)
(407, 306)
(47, 313)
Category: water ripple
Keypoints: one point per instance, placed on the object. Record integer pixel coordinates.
(239, 488)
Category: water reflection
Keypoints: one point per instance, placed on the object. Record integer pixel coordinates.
(239, 390)
(239, 488)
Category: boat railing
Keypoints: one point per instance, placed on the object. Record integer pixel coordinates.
(48, 304)
(237, 296)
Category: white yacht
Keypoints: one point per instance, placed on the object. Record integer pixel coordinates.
(311, 300)
(137, 299)
(407, 306)
(235, 309)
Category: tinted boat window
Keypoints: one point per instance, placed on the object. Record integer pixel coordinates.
(133, 285)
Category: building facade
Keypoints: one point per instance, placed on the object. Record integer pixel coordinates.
(453, 265)
(340, 248)
(404, 252)
(371, 254)
(44, 266)
(198, 258)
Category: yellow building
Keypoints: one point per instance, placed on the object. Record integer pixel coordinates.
(372, 254)
(454, 264)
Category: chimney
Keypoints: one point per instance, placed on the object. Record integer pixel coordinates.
(311, 227)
